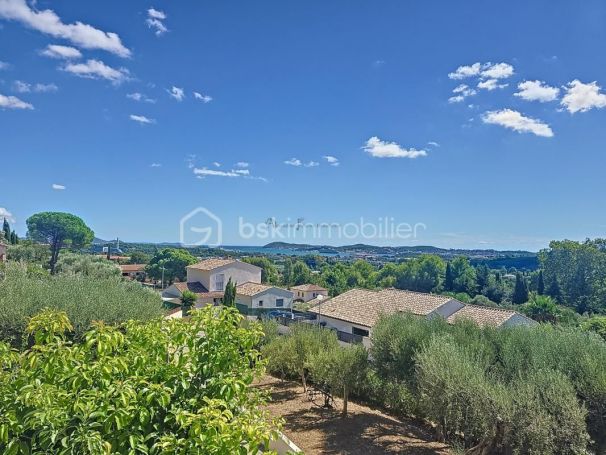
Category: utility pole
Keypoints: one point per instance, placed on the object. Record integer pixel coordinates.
(162, 283)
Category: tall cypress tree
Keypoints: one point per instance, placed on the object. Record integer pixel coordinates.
(229, 297)
(540, 284)
(7, 230)
(448, 278)
(520, 292)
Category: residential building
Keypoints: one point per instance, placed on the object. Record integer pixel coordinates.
(214, 274)
(2, 252)
(306, 292)
(133, 271)
(354, 313)
(256, 298)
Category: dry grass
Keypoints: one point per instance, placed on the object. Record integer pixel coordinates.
(365, 431)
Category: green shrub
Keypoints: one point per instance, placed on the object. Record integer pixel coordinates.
(154, 387)
(84, 299)
(87, 265)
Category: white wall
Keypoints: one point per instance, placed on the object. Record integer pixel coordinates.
(306, 296)
(269, 298)
(342, 325)
(239, 272)
(198, 276)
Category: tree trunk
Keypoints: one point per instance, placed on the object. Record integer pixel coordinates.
(54, 256)
(345, 401)
(304, 382)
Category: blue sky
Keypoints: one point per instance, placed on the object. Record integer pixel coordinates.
(482, 120)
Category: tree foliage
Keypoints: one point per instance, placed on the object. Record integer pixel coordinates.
(229, 296)
(170, 263)
(87, 266)
(58, 230)
(156, 387)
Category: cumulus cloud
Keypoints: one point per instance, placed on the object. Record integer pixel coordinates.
(24, 87)
(497, 71)
(242, 164)
(61, 52)
(311, 164)
(293, 162)
(466, 71)
(136, 96)
(154, 21)
(461, 92)
(331, 160)
(242, 171)
(48, 22)
(5, 214)
(96, 69)
(177, 93)
(204, 98)
(582, 97)
(57, 187)
(537, 91)
(141, 119)
(377, 148)
(516, 121)
(490, 84)
(12, 102)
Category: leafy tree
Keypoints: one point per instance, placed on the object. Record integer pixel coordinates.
(269, 272)
(29, 252)
(138, 257)
(343, 369)
(188, 300)
(59, 230)
(596, 324)
(540, 283)
(135, 388)
(229, 297)
(520, 292)
(14, 238)
(554, 290)
(87, 266)
(541, 308)
(301, 273)
(172, 262)
(464, 276)
(448, 278)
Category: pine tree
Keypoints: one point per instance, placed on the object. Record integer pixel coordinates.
(7, 230)
(14, 239)
(229, 297)
(520, 292)
(448, 278)
(540, 284)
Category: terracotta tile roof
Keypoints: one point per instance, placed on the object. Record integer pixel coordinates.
(210, 264)
(308, 288)
(197, 288)
(251, 289)
(364, 307)
(132, 268)
(483, 315)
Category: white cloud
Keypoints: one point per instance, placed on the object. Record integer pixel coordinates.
(497, 71)
(312, 164)
(582, 97)
(5, 214)
(204, 98)
(177, 93)
(332, 160)
(381, 149)
(154, 21)
(463, 72)
(202, 172)
(12, 102)
(24, 87)
(433, 144)
(242, 171)
(216, 164)
(517, 122)
(456, 99)
(461, 92)
(48, 22)
(537, 91)
(61, 52)
(136, 96)
(242, 164)
(491, 84)
(4, 65)
(293, 162)
(57, 187)
(155, 165)
(141, 119)
(96, 69)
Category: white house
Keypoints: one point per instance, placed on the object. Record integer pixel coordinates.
(306, 292)
(358, 310)
(256, 298)
(214, 274)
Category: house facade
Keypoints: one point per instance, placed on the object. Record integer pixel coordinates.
(306, 292)
(214, 274)
(133, 271)
(255, 298)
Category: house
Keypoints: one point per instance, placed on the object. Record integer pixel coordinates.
(256, 298)
(133, 271)
(306, 292)
(354, 313)
(2, 252)
(207, 279)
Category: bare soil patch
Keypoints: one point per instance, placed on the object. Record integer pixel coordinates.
(365, 431)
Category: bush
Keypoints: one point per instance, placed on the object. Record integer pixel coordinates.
(146, 387)
(87, 265)
(84, 299)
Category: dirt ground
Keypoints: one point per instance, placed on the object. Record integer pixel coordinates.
(365, 431)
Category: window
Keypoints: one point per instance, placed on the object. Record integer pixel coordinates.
(361, 332)
(279, 302)
(219, 281)
(260, 303)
